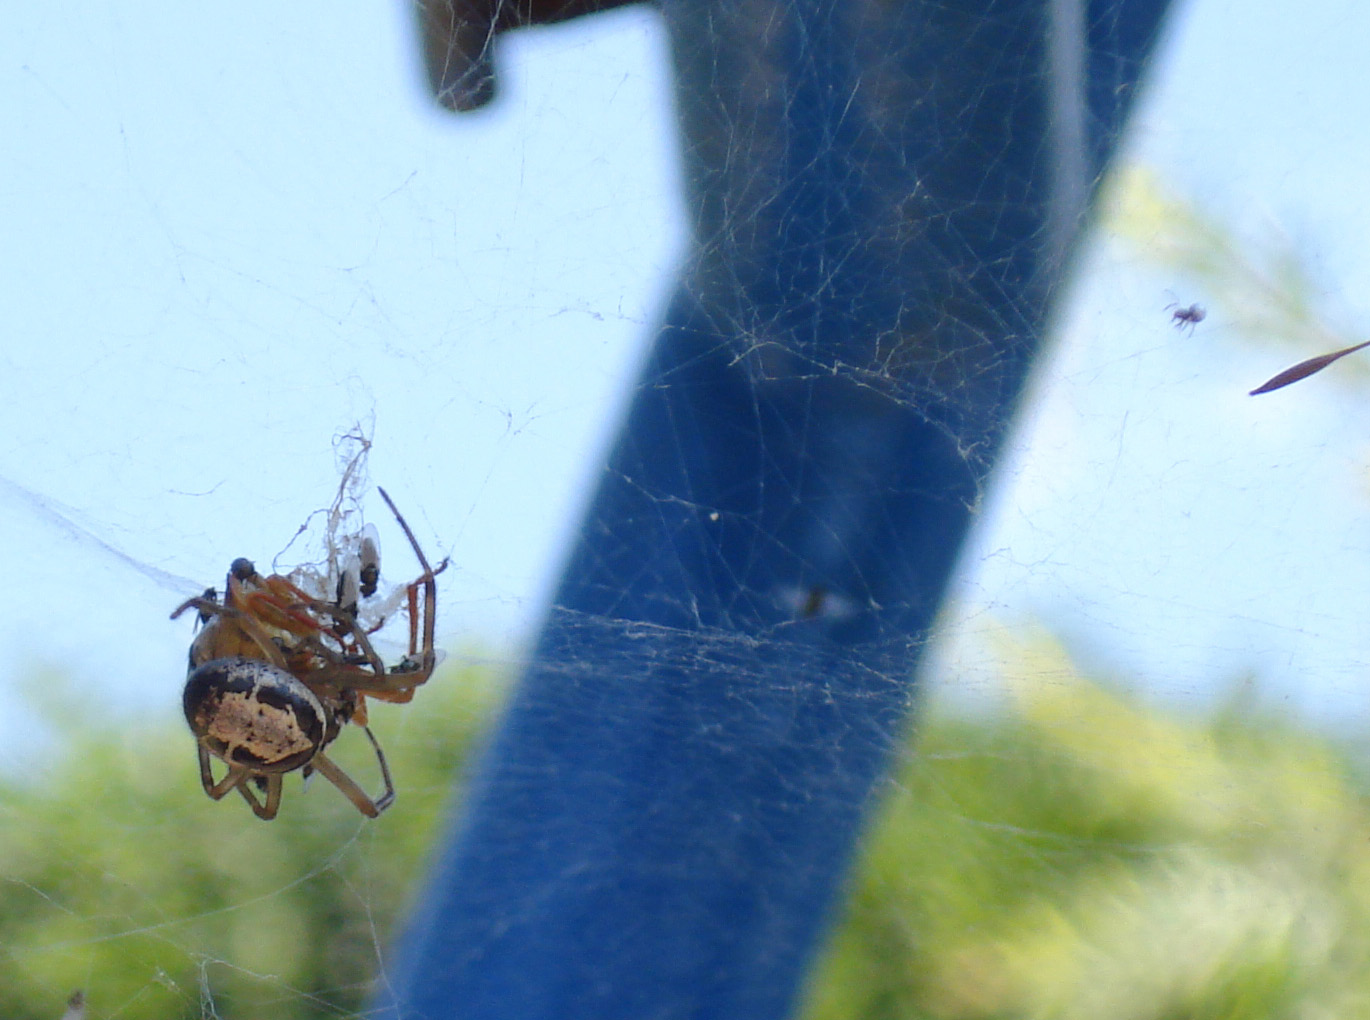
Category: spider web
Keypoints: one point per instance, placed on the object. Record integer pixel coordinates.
(212, 285)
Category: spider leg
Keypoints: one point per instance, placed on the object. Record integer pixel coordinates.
(347, 619)
(237, 779)
(393, 687)
(267, 811)
(371, 808)
(430, 595)
(412, 596)
(271, 607)
(396, 696)
(420, 661)
(428, 658)
(197, 601)
(273, 795)
(408, 533)
(216, 791)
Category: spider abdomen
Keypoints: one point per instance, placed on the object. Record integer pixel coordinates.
(249, 712)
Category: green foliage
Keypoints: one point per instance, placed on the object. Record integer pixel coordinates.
(119, 877)
(1079, 856)
(1087, 857)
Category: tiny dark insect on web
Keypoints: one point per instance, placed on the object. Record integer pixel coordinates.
(1182, 317)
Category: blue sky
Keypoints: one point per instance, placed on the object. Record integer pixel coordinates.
(236, 232)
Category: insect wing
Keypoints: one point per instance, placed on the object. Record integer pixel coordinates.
(368, 558)
(361, 571)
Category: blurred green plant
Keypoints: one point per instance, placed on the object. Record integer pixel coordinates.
(1077, 856)
(1084, 856)
(120, 878)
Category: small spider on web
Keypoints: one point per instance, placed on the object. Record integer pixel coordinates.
(281, 663)
(1182, 317)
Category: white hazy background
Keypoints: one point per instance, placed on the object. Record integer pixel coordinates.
(233, 233)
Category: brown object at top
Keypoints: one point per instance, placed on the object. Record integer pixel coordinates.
(458, 39)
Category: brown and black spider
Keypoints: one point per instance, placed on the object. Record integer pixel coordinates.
(275, 673)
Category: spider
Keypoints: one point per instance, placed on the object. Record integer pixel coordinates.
(275, 673)
(1191, 316)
